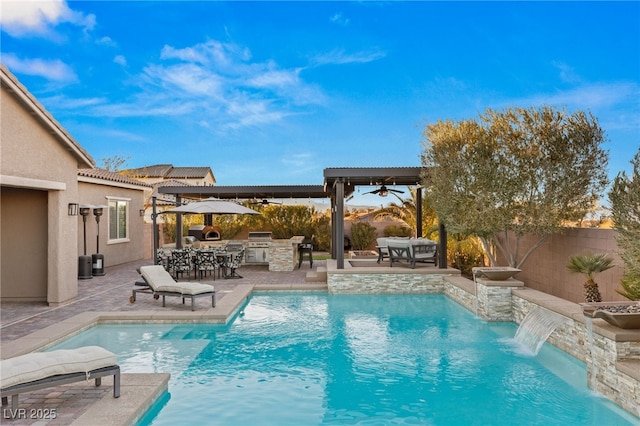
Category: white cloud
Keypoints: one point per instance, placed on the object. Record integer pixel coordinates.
(567, 73)
(185, 80)
(120, 60)
(33, 17)
(216, 85)
(54, 70)
(213, 53)
(61, 102)
(219, 87)
(340, 57)
(340, 19)
(106, 41)
(275, 78)
(588, 96)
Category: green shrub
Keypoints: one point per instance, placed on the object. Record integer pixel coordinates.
(169, 225)
(397, 231)
(363, 235)
(465, 254)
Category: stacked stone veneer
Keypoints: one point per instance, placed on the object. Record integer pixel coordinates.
(282, 254)
(612, 355)
(462, 291)
(395, 283)
(494, 299)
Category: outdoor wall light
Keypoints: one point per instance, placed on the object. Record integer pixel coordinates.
(72, 209)
(141, 212)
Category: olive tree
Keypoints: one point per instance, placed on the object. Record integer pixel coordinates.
(624, 198)
(514, 172)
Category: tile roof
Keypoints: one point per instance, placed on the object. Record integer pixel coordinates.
(154, 171)
(110, 176)
(167, 171)
(188, 172)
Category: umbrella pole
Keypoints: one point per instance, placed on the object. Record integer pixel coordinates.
(155, 231)
(178, 224)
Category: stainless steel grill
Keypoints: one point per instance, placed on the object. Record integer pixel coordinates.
(259, 236)
(257, 251)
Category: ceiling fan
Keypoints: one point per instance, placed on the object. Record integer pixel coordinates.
(383, 191)
(263, 202)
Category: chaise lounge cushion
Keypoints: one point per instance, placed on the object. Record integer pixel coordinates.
(161, 281)
(40, 365)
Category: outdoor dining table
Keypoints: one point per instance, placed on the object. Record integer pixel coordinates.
(165, 258)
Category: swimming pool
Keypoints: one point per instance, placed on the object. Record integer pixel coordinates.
(311, 359)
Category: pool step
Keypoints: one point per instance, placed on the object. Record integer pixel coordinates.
(317, 276)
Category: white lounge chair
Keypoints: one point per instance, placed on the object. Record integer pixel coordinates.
(161, 283)
(383, 250)
(40, 370)
(412, 250)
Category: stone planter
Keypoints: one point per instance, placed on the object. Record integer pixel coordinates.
(363, 254)
(495, 273)
(624, 315)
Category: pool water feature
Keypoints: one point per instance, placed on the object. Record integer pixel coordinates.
(537, 326)
(312, 359)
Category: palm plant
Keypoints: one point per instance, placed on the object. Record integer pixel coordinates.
(406, 212)
(590, 264)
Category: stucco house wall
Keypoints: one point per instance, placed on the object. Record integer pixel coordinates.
(98, 192)
(38, 166)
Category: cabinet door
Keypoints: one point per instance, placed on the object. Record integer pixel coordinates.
(250, 256)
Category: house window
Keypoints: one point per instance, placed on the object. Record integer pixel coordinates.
(118, 220)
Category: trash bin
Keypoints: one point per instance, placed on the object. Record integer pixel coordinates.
(98, 264)
(84, 267)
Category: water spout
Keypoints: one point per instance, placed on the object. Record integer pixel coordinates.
(537, 326)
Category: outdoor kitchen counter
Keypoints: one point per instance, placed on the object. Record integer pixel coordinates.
(283, 254)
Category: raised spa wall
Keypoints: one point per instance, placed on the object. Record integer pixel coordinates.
(612, 355)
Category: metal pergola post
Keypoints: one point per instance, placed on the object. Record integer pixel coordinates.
(418, 212)
(339, 242)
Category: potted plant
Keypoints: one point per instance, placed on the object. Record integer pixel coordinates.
(590, 264)
(621, 314)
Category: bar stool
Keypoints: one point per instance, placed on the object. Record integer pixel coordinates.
(306, 247)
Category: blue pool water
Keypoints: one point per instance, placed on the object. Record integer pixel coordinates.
(314, 359)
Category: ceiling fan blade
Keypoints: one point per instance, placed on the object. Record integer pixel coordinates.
(396, 190)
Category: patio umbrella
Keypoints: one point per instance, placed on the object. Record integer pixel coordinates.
(212, 206)
(208, 206)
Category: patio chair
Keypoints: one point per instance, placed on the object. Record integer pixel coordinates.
(161, 283)
(41, 370)
(305, 247)
(164, 258)
(181, 262)
(383, 250)
(233, 263)
(206, 261)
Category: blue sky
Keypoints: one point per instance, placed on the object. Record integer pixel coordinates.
(272, 93)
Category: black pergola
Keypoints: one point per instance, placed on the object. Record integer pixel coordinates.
(339, 183)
